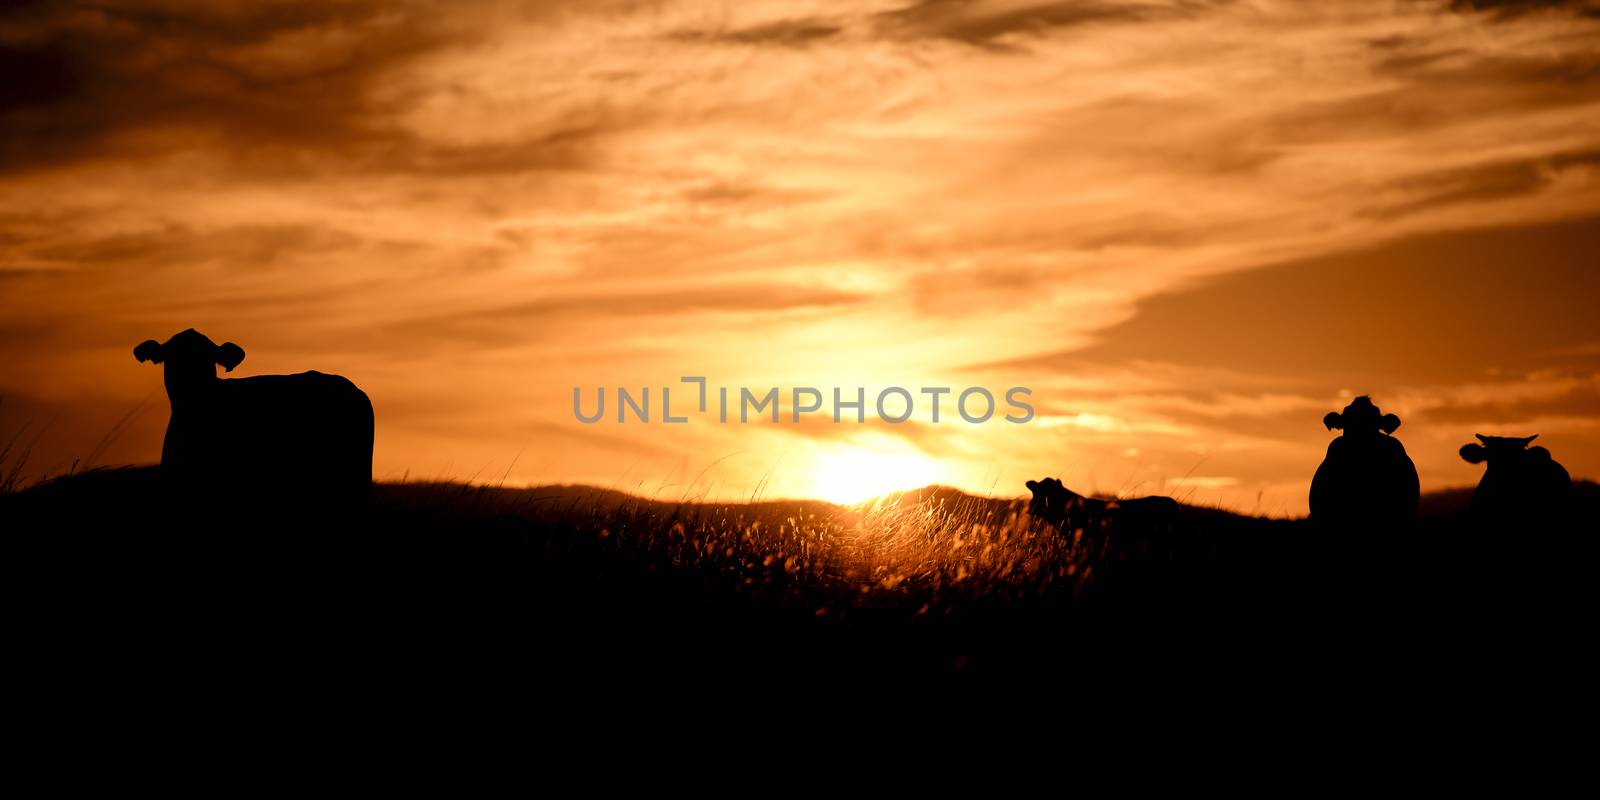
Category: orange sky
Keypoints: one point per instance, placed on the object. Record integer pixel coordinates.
(1192, 228)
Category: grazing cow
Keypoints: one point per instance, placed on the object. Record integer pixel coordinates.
(286, 441)
(1054, 503)
(1366, 480)
(1521, 483)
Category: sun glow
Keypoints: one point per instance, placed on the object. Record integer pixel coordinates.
(849, 474)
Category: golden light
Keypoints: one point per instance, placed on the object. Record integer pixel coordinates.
(848, 474)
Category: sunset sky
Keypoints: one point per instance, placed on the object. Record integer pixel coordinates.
(1191, 227)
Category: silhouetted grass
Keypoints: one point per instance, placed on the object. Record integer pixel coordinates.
(583, 581)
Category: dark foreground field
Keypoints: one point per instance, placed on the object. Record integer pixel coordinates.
(567, 590)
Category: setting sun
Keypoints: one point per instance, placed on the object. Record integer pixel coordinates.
(850, 474)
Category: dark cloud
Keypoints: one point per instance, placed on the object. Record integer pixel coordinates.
(984, 24)
(1580, 402)
(569, 147)
(1444, 308)
(174, 245)
(745, 194)
(1511, 8)
(1405, 56)
(1492, 181)
(285, 87)
(1437, 89)
(1446, 68)
(99, 77)
(1430, 86)
(791, 32)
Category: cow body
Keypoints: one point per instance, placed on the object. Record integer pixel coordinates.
(1053, 502)
(1521, 485)
(302, 440)
(1366, 480)
(1106, 527)
(309, 429)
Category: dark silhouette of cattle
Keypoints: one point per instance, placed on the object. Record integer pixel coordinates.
(279, 441)
(1522, 485)
(1053, 502)
(1366, 481)
(1110, 526)
(1134, 548)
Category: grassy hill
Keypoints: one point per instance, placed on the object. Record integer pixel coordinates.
(580, 581)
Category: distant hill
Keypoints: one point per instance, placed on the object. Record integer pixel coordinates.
(115, 483)
(580, 582)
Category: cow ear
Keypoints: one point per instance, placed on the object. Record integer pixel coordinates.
(1389, 424)
(1033, 485)
(229, 355)
(1482, 438)
(148, 350)
(1333, 420)
(1472, 453)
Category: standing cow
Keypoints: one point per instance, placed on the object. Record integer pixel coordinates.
(1054, 503)
(282, 441)
(1114, 528)
(1521, 484)
(1366, 481)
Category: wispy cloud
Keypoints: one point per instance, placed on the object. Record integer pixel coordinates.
(990, 23)
(1506, 9)
(792, 32)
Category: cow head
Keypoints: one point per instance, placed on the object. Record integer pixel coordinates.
(1361, 418)
(190, 359)
(1052, 501)
(1492, 448)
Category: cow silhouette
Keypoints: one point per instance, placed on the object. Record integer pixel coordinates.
(281, 441)
(1521, 484)
(1108, 527)
(1366, 480)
